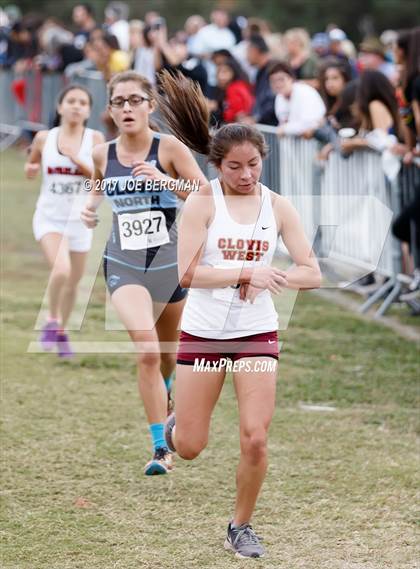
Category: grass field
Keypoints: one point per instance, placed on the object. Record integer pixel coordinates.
(341, 487)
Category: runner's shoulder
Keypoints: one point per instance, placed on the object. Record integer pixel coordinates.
(98, 137)
(40, 138)
(171, 143)
(100, 151)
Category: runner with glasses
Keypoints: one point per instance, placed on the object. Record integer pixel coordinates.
(140, 262)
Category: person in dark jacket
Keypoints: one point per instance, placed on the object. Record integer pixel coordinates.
(259, 55)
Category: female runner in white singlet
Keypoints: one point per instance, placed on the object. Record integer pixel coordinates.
(227, 238)
(64, 155)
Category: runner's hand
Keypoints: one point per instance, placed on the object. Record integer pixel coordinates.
(148, 171)
(32, 169)
(89, 217)
(249, 293)
(269, 278)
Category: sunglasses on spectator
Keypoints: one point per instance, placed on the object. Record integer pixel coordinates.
(132, 100)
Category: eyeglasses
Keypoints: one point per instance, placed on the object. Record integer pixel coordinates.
(132, 100)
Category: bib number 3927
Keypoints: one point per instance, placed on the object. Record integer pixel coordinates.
(142, 230)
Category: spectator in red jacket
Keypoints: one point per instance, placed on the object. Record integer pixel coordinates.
(237, 96)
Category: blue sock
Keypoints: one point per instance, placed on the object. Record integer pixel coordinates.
(168, 381)
(157, 430)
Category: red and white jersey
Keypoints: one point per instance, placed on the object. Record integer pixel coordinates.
(220, 313)
(63, 192)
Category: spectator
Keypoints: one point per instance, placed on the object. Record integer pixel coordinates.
(83, 18)
(192, 26)
(407, 55)
(22, 47)
(216, 35)
(57, 50)
(144, 56)
(173, 55)
(333, 77)
(238, 99)
(116, 15)
(320, 44)
(239, 51)
(372, 56)
(258, 55)
(212, 37)
(136, 38)
(407, 224)
(93, 60)
(341, 115)
(388, 39)
(298, 106)
(118, 60)
(109, 58)
(336, 48)
(377, 109)
(303, 62)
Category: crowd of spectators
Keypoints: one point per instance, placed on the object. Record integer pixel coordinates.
(310, 87)
(346, 96)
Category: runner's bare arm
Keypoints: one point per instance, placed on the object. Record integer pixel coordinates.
(98, 138)
(89, 215)
(33, 163)
(305, 273)
(195, 218)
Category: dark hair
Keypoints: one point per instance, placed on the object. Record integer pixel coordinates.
(238, 73)
(225, 52)
(409, 42)
(63, 93)
(88, 7)
(374, 86)
(343, 108)
(111, 41)
(280, 67)
(259, 43)
(183, 106)
(345, 72)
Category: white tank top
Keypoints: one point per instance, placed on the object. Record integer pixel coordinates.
(63, 193)
(219, 313)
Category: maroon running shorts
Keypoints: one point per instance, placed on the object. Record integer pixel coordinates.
(258, 345)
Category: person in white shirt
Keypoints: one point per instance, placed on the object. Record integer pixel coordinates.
(116, 14)
(298, 106)
(211, 38)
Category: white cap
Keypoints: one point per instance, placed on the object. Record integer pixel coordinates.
(337, 35)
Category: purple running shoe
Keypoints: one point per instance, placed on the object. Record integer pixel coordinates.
(63, 346)
(48, 336)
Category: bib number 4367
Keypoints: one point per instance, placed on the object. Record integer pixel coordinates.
(142, 230)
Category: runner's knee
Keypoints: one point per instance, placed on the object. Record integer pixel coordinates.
(189, 449)
(254, 444)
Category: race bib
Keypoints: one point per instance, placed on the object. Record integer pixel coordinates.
(66, 188)
(142, 230)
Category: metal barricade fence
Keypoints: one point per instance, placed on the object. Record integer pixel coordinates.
(290, 169)
(40, 92)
